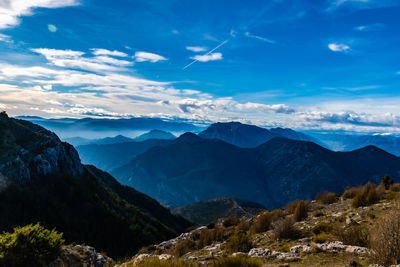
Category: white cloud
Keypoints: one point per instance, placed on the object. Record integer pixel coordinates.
(276, 108)
(151, 57)
(5, 38)
(75, 60)
(105, 52)
(361, 4)
(341, 2)
(339, 47)
(370, 27)
(208, 57)
(12, 10)
(196, 48)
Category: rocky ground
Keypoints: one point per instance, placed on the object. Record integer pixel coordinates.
(80, 255)
(315, 247)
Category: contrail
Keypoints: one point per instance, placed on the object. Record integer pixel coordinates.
(209, 52)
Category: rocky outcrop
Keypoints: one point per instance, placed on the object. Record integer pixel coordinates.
(28, 151)
(339, 246)
(261, 253)
(78, 256)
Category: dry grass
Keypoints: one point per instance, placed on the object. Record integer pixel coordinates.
(385, 239)
(326, 198)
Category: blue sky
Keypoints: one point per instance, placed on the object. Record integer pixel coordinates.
(328, 64)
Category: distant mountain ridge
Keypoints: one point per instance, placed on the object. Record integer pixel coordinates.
(346, 142)
(244, 135)
(92, 128)
(208, 211)
(193, 169)
(111, 156)
(42, 180)
(155, 134)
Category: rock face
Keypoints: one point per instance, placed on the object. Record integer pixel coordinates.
(28, 151)
(42, 180)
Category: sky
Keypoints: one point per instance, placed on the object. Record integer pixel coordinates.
(303, 64)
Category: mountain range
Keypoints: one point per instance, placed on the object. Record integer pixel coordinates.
(42, 180)
(95, 128)
(192, 169)
(343, 142)
(244, 135)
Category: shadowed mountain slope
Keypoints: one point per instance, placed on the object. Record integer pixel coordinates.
(42, 180)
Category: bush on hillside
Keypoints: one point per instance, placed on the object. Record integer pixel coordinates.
(209, 236)
(354, 235)
(239, 242)
(285, 229)
(368, 195)
(320, 238)
(321, 227)
(326, 198)
(184, 246)
(351, 192)
(291, 207)
(231, 221)
(31, 245)
(237, 261)
(385, 239)
(300, 213)
(263, 222)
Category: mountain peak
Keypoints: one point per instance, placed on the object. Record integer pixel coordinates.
(188, 137)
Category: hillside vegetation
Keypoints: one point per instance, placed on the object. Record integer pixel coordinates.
(333, 230)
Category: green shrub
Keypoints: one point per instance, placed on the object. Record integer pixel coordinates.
(300, 213)
(322, 227)
(320, 238)
(285, 229)
(231, 221)
(239, 242)
(237, 261)
(31, 245)
(387, 182)
(326, 198)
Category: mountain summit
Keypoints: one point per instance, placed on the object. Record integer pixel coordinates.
(244, 135)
